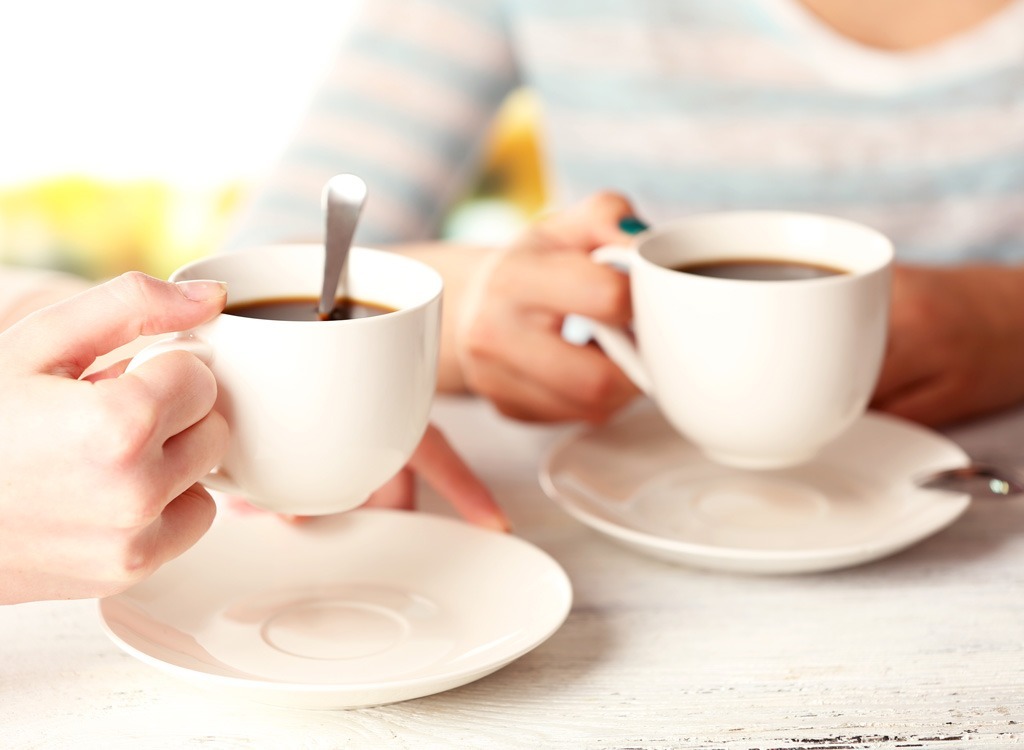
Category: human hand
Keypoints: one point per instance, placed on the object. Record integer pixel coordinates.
(509, 341)
(442, 468)
(99, 471)
(956, 343)
(437, 463)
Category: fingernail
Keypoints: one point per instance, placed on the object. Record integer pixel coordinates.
(499, 523)
(631, 225)
(200, 290)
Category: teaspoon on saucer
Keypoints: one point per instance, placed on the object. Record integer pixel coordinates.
(976, 479)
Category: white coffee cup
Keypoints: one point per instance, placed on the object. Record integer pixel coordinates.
(758, 374)
(321, 413)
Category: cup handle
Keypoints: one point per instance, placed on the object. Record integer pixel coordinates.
(619, 345)
(187, 342)
(218, 480)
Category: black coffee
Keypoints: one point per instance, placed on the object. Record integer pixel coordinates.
(759, 269)
(305, 309)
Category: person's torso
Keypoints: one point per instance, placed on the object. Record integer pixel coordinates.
(693, 105)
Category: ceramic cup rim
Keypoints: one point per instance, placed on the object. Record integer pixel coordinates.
(802, 235)
(431, 287)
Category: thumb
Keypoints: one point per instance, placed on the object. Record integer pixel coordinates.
(65, 338)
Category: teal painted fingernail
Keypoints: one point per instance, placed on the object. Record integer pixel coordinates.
(631, 225)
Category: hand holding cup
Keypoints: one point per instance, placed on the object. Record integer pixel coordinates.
(321, 412)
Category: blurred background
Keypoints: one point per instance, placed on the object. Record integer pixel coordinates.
(129, 132)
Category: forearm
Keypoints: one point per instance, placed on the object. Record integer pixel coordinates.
(998, 293)
(956, 342)
(458, 264)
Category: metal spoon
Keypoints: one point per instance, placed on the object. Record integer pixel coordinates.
(975, 479)
(343, 199)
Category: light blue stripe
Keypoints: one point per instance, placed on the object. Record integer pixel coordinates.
(293, 209)
(481, 12)
(284, 222)
(379, 178)
(999, 176)
(703, 15)
(422, 134)
(612, 93)
(292, 218)
(431, 63)
(1004, 251)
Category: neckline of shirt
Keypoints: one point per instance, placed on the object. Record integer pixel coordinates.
(847, 63)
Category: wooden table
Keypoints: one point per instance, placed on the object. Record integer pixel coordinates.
(923, 649)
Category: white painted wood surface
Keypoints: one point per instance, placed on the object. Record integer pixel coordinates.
(924, 649)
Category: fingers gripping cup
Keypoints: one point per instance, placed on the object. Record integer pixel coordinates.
(760, 335)
(321, 412)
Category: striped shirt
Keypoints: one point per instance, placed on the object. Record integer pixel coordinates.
(682, 105)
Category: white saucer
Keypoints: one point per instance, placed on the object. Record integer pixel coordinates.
(368, 607)
(636, 480)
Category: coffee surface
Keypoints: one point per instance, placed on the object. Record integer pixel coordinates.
(305, 309)
(759, 269)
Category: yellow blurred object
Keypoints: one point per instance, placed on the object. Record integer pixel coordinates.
(98, 228)
(511, 188)
(513, 169)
